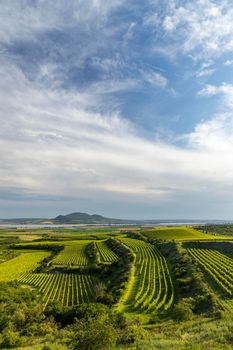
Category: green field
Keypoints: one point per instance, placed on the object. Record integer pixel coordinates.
(220, 268)
(25, 262)
(181, 233)
(72, 255)
(157, 278)
(106, 254)
(151, 283)
(68, 289)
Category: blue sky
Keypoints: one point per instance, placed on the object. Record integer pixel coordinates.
(122, 108)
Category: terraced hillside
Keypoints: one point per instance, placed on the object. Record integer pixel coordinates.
(151, 286)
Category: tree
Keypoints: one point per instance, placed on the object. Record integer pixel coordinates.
(182, 312)
(94, 334)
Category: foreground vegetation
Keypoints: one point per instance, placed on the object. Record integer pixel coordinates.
(168, 288)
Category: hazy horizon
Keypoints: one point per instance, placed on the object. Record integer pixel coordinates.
(119, 108)
(123, 217)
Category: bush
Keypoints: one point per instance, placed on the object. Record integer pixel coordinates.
(205, 302)
(11, 339)
(21, 314)
(220, 314)
(93, 254)
(94, 334)
(4, 320)
(132, 334)
(98, 327)
(182, 312)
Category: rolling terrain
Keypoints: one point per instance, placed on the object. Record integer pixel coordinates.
(174, 273)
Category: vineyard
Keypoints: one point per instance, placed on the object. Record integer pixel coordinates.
(147, 282)
(180, 234)
(68, 289)
(106, 254)
(72, 255)
(152, 287)
(13, 268)
(219, 267)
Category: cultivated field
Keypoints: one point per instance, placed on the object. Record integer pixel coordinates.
(220, 268)
(68, 289)
(180, 234)
(151, 286)
(67, 276)
(106, 254)
(12, 269)
(72, 255)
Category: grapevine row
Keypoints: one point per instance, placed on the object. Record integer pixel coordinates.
(106, 254)
(72, 255)
(68, 289)
(217, 265)
(153, 288)
(24, 262)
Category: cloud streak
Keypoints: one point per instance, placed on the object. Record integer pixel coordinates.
(55, 144)
(64, 135)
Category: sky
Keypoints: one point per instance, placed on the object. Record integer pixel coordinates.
(122, 108)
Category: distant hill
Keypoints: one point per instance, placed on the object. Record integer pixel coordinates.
(84, 218)
(87, 219)
(21, 221)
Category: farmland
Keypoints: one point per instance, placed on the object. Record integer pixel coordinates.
(72, 255)
(149, 275)
(106, 254)
(12, 269)
(181, 234)
(68, 289)
(220, 268)
(152, 287)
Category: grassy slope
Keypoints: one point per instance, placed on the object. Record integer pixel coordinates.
(181, 233)
(197, 334)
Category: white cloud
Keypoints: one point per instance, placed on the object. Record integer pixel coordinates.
(208, 90)
(226, 90)
(228, 63)
(108, 86)
(216, 134)
(201, 29)
(52, 141)
(170, 23)
(204, 73)
(22, 20)
(155, 79)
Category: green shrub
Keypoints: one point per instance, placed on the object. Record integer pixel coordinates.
(182, 312)
(132, 334)
(11, 339)
(4, 320)
(94, 334)
(220, 314)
